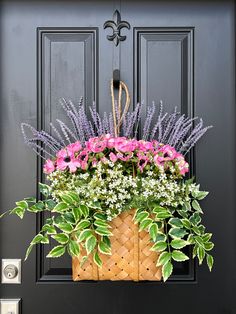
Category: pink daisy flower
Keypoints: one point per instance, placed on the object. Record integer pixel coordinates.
(96, 144)
(143, 160)
(74, 147)
(113, 157)
(83, 159)
(168, 153)
(126, 146)
(49, 166)
(66, 158)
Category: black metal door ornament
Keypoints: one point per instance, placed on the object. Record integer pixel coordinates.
(116, 25)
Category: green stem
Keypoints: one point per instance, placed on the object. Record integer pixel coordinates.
(3, 214)
(167, 236)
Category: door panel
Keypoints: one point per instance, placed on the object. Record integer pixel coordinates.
(163, 67)
(164, 63)
(67, 68)
(181, 52)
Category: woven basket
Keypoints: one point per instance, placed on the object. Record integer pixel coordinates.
(131, 257)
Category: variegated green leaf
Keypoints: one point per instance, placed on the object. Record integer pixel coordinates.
(167, 270)
(57, 251)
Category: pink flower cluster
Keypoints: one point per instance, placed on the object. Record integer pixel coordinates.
(105, 148)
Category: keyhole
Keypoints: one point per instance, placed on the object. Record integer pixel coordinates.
(10, 271)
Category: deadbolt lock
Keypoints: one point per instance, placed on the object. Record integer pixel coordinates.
(10, 271)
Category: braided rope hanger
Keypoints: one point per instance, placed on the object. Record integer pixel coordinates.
(119, 115)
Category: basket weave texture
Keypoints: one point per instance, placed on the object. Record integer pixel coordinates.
(131, 258)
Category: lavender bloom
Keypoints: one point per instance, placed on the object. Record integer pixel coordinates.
(111, 125)
(67, 132)
(137, 122)
(37, 138)
(150, 113)
(168, 128)
(60, 139)
(105, 123)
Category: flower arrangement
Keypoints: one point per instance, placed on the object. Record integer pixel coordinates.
(93, 175)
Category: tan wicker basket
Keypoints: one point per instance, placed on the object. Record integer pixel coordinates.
(131, 257)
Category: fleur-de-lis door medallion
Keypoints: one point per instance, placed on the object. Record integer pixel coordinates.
(116, 25)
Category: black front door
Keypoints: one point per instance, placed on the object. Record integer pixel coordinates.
(179, 51)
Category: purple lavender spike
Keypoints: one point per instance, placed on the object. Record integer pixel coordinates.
(41, 136)
(105, 123)
(195, 139)
(75, 111)
(58, 135)
(91, 129)
(32, 143)
(169, 122)
(47, 142)
(124, 124)
(75, 123)
(175, 131)
(66, 130)
(111, 125)
(174, 128)
(51, 139)
(138, 118)
(129, 124)
(155, 128)
(150, 114)
(85, 124)
(94, 116)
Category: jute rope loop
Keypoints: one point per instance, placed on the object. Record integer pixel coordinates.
(118, 115)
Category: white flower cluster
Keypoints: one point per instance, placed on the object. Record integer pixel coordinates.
(166, 189)
(110, 186)
(114, 188)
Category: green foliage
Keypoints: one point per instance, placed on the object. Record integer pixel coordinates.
(145, 224)
(159, 246)
(210, 261)
(153, 231)
(178, 243)
(73, 248)
(179, 256)
(176, 222)
(104, 248)
(180, 227)
(167, 270)
(84, 234)
(177, 232)
(82, 224)
(57, 251)
(61, 238)
(196, 206)
(97, 259)
(163, 258)
(75, 224)
(39, 238)
(90, 244)
(44, 189)
(65, 227)
(60, 207)
(19, 211)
